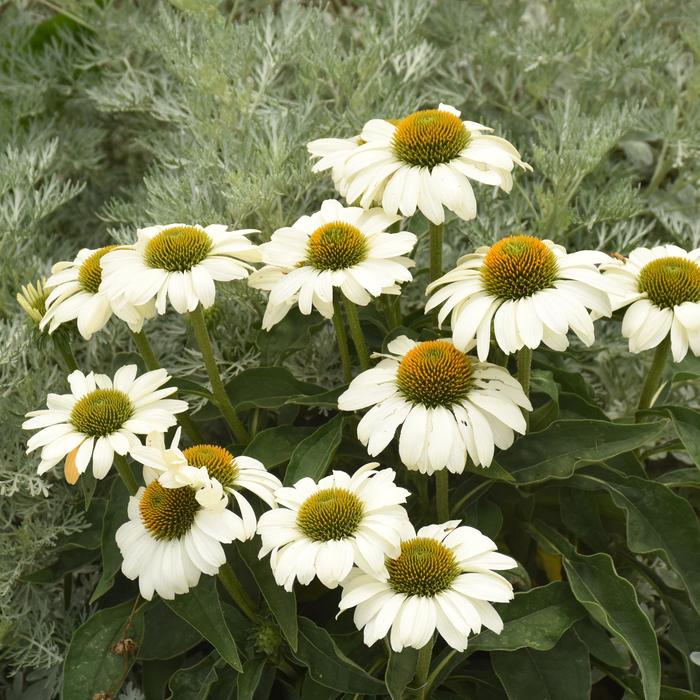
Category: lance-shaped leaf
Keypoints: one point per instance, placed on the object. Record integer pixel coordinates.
(313, 456)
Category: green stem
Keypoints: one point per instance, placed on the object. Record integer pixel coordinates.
(436, 231)
(356, 332)
(221, 397)
(524, 371)
(656, 371)
(342, 338)
(151, 362)
(425, 655)
(524, 368)
(236, 591)
(145, 350)
(66, 353)
(126, 474)
(442, 497)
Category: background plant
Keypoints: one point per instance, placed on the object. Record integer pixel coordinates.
(116, 114)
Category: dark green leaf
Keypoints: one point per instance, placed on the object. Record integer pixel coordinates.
(266, 387)
(91, 666)
(328, 665)
(611, 601)
(275, 445)
(684, 635)
(686, 421)
(689, 477)
(194, 682)
(283, 605)
(201, 607)
(167, 634)
(326, 399)
(156, 675)
(115, 515)
(400, 671)
(249, 680)
(566, 445)
(599, 644)
(562, 672)
(187, 386)
(658, 520)
(534, 619)
(581, 515)
(313, 456)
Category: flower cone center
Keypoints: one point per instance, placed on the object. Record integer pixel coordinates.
(670, 281)
(219, 462)
(90, 272)
(435, 373)
(168, 514)
(336, 246)
(425, 567)
(101, 412)
(429, 137)
(178, 248)
(330, 514)
(517, 267)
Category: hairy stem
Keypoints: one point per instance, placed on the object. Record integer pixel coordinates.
(442, 496)
(358, 338)
(342, 338)
(423, 669)
(220, 396)
(656, 371)
(233, 586)
(524, 371)
(436, 232)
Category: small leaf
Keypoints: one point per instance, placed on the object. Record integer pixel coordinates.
(600, 645)
(684, 634)
(194, 682)
(562, 672)
(612, 602)
(313, 456)
(688, 477)
(275, 445)
(267, 387)
(249, 679)
(329, 666)
(201, 607)
(400, 671)
(566, 445)
(282, 604)
(326, 399)
(91, 666)
(686, 421)
(115, 515)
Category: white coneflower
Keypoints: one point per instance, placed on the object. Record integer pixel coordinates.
(531, 290)
(100, 417)
(323, 529)
(75, 294)
(442, 579)
(661, 286)
(449, 406)
(174, 467)
(179, 262)
(174, 535)
(344, 247)
(32, 299)
(425, 160)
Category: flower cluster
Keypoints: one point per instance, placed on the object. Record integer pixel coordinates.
(444, 408)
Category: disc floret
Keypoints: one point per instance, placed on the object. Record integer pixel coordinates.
(425, 567)
(337, 245)
(177, 248)
(101, 412)
(670, 281)
(330, 514)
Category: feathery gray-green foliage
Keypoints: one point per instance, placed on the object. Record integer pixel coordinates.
(115, 115)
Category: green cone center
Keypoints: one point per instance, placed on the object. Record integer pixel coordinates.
(670, 281)
(425, 568)
(178, 248)
(429, 137)
(219, 462)
(330, 514)
(336, 246)
(90, 272)
(168, 514)
(101, 412)
(518, 266)
(435, 373)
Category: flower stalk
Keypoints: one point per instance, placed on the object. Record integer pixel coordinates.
(436, 236)
(358, 338)
(656, 371)
(442, 496)
(342, 339)
(425, 655)
(220, 396)
(233, 587)
(127, 476)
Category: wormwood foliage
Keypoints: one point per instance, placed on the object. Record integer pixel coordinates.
(117, 115)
